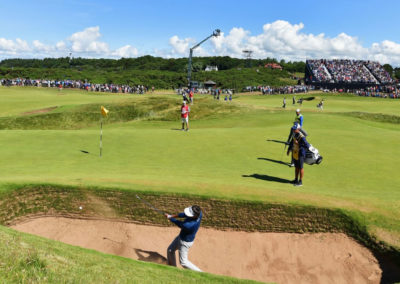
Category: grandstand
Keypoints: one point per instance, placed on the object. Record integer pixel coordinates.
(345, 73)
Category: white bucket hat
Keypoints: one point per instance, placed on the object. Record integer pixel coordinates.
(189, 211)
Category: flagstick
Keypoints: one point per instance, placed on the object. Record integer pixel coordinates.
(101, 135)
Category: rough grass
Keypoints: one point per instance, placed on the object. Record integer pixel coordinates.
(375, 117)
(82, 116)
(34, 200)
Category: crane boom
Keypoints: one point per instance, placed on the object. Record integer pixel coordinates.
(216, 33)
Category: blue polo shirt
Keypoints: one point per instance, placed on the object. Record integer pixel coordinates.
(299, 119)
(189, 226)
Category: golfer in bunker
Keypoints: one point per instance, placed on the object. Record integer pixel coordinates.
(184, 240)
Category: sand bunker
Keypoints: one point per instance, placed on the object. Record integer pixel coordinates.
(269, 257)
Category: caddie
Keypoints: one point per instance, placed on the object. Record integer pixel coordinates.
(298, 146)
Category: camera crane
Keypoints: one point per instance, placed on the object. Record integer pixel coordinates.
(215, 33)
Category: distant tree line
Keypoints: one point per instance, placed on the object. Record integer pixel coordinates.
(160, 72)
(149, 63)
(154, 71)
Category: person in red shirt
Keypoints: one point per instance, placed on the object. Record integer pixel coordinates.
(185, 116)
(191, 97)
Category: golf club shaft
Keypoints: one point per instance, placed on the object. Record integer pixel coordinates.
(149, 205)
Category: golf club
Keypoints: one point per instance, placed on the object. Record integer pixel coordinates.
(149, 205)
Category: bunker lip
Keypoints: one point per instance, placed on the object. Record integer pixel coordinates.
(37, 111)
(271, 257)
(28, 202)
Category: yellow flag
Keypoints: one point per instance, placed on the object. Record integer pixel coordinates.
(104, 111)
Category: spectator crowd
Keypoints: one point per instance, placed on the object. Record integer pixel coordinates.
(379, 92)
(348, 71)
(381, 74)
(267, 90)
(77, 84)
(319, 71)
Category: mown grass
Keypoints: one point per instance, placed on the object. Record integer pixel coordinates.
(332, 103)
(17, 100)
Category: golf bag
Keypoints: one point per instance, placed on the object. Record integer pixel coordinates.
(313, 156)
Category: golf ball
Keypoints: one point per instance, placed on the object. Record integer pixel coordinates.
(80, 207)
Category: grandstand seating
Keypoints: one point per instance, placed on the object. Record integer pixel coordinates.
(346, 71)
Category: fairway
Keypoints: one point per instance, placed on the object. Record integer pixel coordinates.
(231, 152)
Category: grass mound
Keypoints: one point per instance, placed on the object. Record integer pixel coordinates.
(82, 116)
(376, 117)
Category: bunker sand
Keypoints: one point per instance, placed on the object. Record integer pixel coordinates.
(268, 257)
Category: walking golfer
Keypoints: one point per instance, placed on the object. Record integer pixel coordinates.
(184, 240)
(298, 146)
(185, 115)
(299, 118)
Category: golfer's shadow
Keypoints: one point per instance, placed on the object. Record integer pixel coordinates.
(274, 161)
(268, 178)
(150, 256)
(86, 152)
(276, 141)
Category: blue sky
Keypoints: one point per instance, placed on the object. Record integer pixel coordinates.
(352, 29)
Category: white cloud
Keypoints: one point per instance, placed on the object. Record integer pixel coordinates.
(126, 51)
(180, 46)
(41, 47)
(61, 46)
(8, 46)
(233, 44)
(282, 39)
(386, 52)
(279, 39)
(85, 43)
